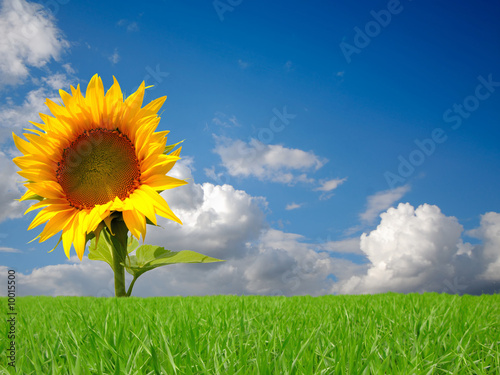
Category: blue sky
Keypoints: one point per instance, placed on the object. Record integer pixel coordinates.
(303, 118)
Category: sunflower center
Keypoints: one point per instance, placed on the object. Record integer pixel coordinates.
(98, 166)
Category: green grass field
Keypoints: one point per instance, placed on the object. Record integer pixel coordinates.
(380, 334)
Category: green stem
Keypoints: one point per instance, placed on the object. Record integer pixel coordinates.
(119, 271)
(129, 292)
(119, 248)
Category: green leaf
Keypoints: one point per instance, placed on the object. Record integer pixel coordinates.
(102, 251)
(151, 223)
(169, 148)
(148, 257)
(132, 244)
(34, 197)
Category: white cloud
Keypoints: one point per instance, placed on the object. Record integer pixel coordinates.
(293, 206)
(285, 265)
(329, 185)
(9, 250)
(29, 39)
(14, 117)
(380, 202)
(68, 68)
(289, 66)
(412, 250)
(85, 278)
(266, 162)
(218, 221)
(58, 81)
(326, 186)
(349, 245)
(10, 189)
(115, 57)
(489, 233)
(420, 250)
(224, 120)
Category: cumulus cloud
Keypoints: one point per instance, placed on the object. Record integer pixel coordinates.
(412, 250)
(29, 39)
(85, 278)
(489, 233)
(421, 250)
(218, 221)
(266, 162)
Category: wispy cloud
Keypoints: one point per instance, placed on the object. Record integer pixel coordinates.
(327, 186)
(380, 202)
(293, 206)
(243, 64)
(115, 57)
(9, 250)
(288, 66)
(224, 120)
(130, 26)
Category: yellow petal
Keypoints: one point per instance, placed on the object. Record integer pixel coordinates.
(136, 223)
(161, 205)
(24, 146)
(141, 202)
(160, 182)
(47, 189)
(56, 224)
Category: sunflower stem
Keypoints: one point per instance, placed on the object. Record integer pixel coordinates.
(119, 248)
(119, 278)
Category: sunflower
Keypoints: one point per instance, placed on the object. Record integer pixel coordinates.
(98, 157)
